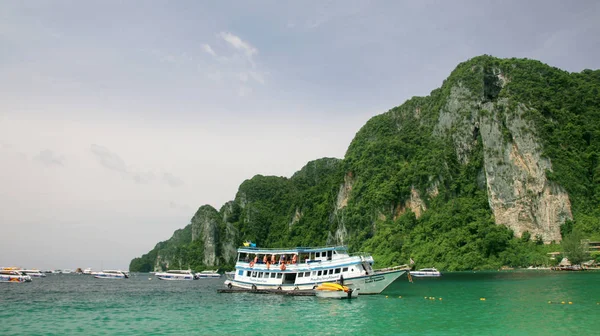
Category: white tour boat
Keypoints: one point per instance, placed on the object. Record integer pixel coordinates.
(13, 275)
(208, 274)
(110, 274)
(426, 272)
(304, 268)
(176, 275)
(34, 273)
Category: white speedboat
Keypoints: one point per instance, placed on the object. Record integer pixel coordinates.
(208, 274)
(176, 275)
(304, 268)
(110, 274)
(426, 272)
(331, 290)
(34, 273)
(87, 271)
(12, 275)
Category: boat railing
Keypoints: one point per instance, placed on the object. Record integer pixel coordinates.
(394, 268)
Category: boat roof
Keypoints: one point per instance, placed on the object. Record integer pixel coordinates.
(258, 250)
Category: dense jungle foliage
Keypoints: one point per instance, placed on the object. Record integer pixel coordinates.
(398, 153)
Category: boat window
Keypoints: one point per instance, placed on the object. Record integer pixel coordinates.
(345, 269)
(319, 273)
(241, 272)
(337, 271)
(273, 275)
(306, 274)
(248, 273)
(260, 274)
(254, 274)
(279, 275)
(331, 271)
(314, 273)
(317, 254)
(300, 275)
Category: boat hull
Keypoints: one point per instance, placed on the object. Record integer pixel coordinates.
(176, 278)
(14, 278)
(369, 284)
(339, 294)
(111, 275)
(425, 275)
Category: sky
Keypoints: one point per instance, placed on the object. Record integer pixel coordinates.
(118, 119)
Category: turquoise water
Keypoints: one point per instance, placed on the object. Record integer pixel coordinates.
(516, 303)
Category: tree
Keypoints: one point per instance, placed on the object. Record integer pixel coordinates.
(574, 249)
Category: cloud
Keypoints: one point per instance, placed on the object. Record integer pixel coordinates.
(114, 162)
(208, 49)
(238, 43)
(108, 159)
(172, 180)
(49, 158)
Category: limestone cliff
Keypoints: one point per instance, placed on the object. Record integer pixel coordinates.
(503, 147)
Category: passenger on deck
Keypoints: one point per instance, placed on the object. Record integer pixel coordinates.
(294, 259)
(282, 259)
(255, 258)
(273, 259)
(265, 259)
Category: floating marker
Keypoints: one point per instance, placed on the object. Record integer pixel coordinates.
(549, 301)
(386, 296)
(562, 302)
(482, 299)
(400, 297)
(440, 299)
(570, 302)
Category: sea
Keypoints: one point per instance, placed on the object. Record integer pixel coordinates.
(526, 302)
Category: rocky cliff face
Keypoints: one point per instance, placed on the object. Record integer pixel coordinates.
(520, 195)
(205, 226)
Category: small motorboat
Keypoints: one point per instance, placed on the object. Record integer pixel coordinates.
(208, 274)
(34, 273)
(13, 275)
(176, 275)
(333, 290)
(426, 272)
(111, 274)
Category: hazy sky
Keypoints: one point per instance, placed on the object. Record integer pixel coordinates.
(118, 119)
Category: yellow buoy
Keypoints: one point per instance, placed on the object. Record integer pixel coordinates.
(549, 301)
(400, 297)
(570, 302)
(482, 299)
(425, 297)
(386, 296)
(440, 299)
(562, 302)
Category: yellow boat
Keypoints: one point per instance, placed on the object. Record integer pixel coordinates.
(335, 291)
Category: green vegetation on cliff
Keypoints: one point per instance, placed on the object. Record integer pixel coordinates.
(418, 181)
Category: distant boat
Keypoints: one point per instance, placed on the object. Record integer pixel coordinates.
(230, 275)
(110, 274)
(208, 274)
(426, 272)
(176, 275)
(34, 273)
(13, 275)
(87, 271)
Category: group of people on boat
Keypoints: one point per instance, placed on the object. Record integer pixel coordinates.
(283, 260)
